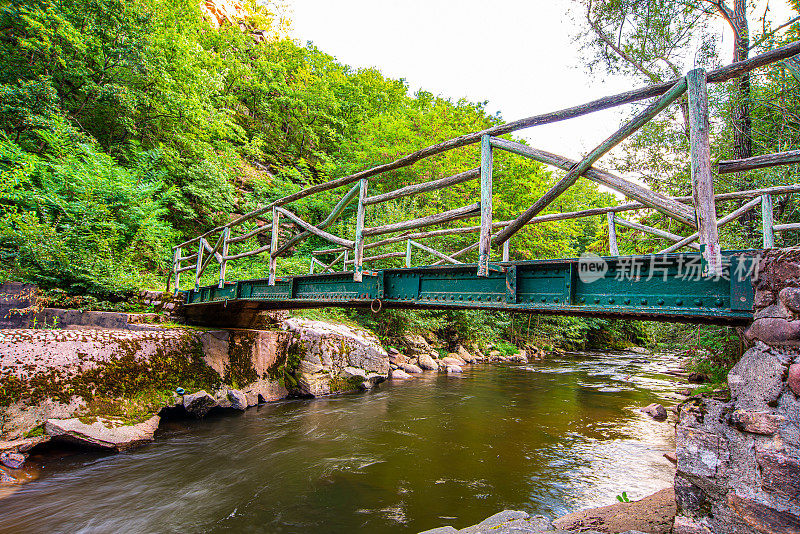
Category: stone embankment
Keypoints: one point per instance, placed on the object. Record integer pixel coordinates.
(738, 468)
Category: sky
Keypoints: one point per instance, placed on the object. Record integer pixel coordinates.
(517, 54)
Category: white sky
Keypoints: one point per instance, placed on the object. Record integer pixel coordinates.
(517, 54)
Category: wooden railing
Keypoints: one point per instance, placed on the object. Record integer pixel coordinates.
(700, 213)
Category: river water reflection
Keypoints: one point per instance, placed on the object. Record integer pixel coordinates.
(548, 437)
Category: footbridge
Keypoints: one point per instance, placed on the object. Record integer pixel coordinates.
(704, 283)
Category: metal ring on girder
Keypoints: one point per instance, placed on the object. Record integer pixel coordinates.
(372, 305)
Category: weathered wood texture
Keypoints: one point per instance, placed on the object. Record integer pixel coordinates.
(722, 74)
(759, 162)
(786, 227)
(308, 227)
(485, 239)
(461, 252)
(273, 247)
(586, 163)
(463, 212)
(613, 249)
(702, 180)
(767, 224)
(414, 189)
(358, 247)
(434, 252)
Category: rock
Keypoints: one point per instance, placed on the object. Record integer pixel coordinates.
(449, 360)
(494, 354)
(441, 530)
(776, 311)
(199, 404)
(309, 367)
(454, 369)
(638, 350)
(653, 513)
(393, 351)
(794, 378)
(697, 378)
(763, 517)
(398, 359)
(763, 298)
(687, 525)
(414, 361)
(780, 474)
(103, 433)
(764, 423)
(503, 517)
(237, 399)
(656, 411)
(789, 297)
(427, 363)
(671, 456)
(756, 381)
(400, 374)
(8, 480)
(774, 331)
(252, 399)
(700, 453)
(416, 344)
(12, 460)
(410, 368)
(463, 353)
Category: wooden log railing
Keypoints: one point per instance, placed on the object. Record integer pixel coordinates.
(696, 211)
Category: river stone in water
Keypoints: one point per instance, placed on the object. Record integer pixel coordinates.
(450, 360)
(656, 411)
(427, 363)
(410, 368)
(199, 404)
(454, 369)
(102, 434)
(399, 373)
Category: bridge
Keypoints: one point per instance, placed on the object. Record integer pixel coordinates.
(705, 284)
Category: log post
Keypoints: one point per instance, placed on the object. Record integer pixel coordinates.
(273, 247)
(485, 239)
(506, 249)
(311, 267)
(358, 247)
(346, 259)
(702, 181)
(613, 250)
(766, 221)
(226, 234)
(199, 264)
(408, 253)
(176, 270)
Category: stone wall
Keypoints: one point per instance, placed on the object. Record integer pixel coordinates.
(739, 458)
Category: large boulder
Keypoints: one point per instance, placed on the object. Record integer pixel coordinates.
(330, 358)
(102, 433)
(427, 363)
(450, 360)
(199, 404)
(410, 368)
(400, 374)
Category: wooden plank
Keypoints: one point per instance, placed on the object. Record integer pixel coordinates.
(720, 223)
(613, 250)
(786, 227)
(255, 252)
(358, 248)
(767, 222)
(414, 189)
(485, 239)
(651, 199)
(463, 212)
(273, 246)
(702, 180)
(759, 162)
(176, 264)
(506, 250)
(722, 74)
(408, 254)
(654, 231)
(586, 163)
(308, 227)
(251, 234)
(434, 252)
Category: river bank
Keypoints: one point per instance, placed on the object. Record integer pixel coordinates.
(548, 437)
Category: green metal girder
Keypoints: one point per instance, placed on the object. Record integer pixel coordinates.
(663, 287)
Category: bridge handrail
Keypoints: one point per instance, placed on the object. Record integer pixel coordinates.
(672, 207)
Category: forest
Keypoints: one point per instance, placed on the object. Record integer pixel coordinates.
(130, 126)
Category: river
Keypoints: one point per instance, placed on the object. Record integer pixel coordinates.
(549, 437)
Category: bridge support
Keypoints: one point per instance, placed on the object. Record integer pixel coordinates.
(613, 250)
(358, 247)
(767, 222)
(702, 181)
(273, 247)
(485, 239)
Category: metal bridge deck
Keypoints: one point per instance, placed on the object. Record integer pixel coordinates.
(655, 287)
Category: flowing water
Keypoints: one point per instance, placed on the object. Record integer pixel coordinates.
(548, 437)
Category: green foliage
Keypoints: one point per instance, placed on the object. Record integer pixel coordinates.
(506, 348)
(623, 497)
